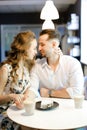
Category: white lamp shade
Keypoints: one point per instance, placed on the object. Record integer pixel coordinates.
(48, 24)
(49, 11)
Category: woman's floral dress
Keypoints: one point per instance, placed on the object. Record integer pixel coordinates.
(20, 87)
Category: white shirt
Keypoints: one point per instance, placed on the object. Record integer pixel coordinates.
(68, 75)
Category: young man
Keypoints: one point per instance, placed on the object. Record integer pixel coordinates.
(56, 75)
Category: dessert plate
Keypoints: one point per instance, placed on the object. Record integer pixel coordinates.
(38, 106)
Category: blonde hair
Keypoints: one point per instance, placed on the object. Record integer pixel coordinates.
(19, 46)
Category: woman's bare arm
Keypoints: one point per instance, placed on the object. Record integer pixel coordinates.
(3, 81)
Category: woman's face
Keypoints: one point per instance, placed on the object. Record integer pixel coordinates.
(32, 50)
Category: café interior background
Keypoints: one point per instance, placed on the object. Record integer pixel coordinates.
(19, 15)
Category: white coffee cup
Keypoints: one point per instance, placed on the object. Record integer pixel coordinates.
(78, 101)
(29, 106)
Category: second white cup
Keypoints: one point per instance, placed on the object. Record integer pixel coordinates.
(78, 101)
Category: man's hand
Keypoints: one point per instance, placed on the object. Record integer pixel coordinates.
(44, 92)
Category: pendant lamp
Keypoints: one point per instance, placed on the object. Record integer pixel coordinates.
(48, 24)
(49, 11)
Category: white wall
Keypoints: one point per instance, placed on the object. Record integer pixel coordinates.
(84, 31)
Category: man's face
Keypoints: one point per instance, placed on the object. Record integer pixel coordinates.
(45, 47)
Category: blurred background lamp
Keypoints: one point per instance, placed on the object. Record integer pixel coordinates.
(48, 24)
(49, 11)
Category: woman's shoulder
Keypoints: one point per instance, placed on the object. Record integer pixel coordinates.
(6, 67)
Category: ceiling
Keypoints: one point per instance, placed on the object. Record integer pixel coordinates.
(19, 6)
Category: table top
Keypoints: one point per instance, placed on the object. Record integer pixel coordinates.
(65, 116)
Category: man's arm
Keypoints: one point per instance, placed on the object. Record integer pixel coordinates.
(62, 93)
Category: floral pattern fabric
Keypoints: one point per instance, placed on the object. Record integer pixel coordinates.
(21, 85)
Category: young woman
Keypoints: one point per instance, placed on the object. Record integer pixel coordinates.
(14, 72)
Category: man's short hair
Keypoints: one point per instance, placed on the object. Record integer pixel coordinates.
(52, 34)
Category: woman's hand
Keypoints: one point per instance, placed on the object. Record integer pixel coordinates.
(58, 51)
(18, 100)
